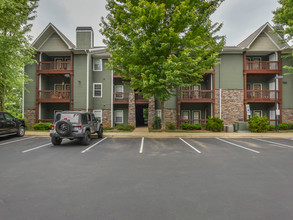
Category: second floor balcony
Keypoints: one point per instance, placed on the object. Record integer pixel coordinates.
(262, 66)
(262, 95)
(121, 98)
(195, 95)
(55, 66)
(54, 96)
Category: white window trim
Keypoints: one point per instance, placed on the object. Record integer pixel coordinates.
(101, 64)
(94, 90)
(159, 113)
(121, 117)
(98, 112)
(122, 91)
(182, 113)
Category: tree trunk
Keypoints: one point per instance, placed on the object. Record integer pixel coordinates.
(163, 114)
(2, 99)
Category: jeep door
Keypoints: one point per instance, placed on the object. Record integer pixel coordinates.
(91, 123)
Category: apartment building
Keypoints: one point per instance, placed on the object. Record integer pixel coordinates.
(241, 85)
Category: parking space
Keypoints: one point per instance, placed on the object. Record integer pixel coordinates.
(146, 178)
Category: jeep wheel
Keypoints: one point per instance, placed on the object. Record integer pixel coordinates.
(100, 133)
(56, 140)
(21, 131)
(87, 138)
(63, 128)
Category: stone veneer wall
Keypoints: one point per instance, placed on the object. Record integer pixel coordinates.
(287, 115)
(131, 109)
(171, 116)
(30, 116)
(232, 105)
(107, 117)
(151, 111)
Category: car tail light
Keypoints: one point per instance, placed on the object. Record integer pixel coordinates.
(79, 127)
(52, 127)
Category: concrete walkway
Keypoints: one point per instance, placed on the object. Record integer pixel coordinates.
(143, 132)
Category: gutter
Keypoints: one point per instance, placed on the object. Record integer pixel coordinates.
(87, 80)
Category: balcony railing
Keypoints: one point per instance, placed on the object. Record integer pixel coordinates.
(195, 94)
(140, 99)
(54, 95)
(56, 65)
(262, 65)
(121, 97)
(261, 95)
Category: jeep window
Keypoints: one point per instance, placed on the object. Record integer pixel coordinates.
(83, 119)
(89, 117)
(73, 118)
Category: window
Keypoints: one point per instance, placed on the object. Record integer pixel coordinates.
(97, 65)
(196, 116)
(185, 115)
(97, 88)
(98, 114)
(159, 113)
(119, 89)
(257, 113)
(119, 116)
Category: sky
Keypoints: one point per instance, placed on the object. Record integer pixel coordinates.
(240, 18)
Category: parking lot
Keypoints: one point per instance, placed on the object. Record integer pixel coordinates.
(146, 178)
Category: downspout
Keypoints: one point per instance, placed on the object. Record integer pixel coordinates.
(112, 109)
(87, 80)
(220, 103)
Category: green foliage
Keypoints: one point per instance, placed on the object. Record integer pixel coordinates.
(15, 49)
(157, 123)
(214, 124)
(258, 124)
(284, 126)
(157, 46)
(272, 127)
(106, 128)
(124, 127)
(171, 126)
(186, 126)
(42, 126)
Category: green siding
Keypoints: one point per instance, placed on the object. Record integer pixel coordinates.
(103, 77)
(31, 86)
(80, 81)
(83, 40)
(229, 73)
(288, 86)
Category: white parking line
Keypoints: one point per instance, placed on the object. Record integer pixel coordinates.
(36, 148)
(271, 142)
(237, 145)
(17, 140)
(93, 145)
(190, 146)
(141, 146)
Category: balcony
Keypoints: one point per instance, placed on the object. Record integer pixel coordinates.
(140, 100)
(55, 67)
(262, 66)
(120, 97)
(196, 95)
(261, 95)
(54, 96)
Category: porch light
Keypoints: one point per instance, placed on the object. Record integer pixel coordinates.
(67, 75)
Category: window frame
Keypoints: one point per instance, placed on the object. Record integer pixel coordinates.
(122, 117)
(94, 84)
(100, 62)
(96, 112)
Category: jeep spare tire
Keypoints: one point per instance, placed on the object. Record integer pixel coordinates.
(63, 128)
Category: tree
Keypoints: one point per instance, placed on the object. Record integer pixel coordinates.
(284, 24)
(15, 50)
(157, 46)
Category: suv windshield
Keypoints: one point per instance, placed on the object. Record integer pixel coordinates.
(73, 118)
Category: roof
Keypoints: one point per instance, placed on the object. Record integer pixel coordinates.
(47, 32)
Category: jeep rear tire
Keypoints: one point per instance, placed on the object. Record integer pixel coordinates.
(87, 138)
(63, 128)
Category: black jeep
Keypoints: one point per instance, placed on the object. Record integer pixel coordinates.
(11, 125)
(75, 125)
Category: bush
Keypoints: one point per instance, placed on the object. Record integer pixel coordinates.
(42, 126)
(106, 128)
(157, 123)
(258, 124)
(171, 126)
(214, 124)
(186, 126)
(124, 127)
(284, 126)
(19, 116)
(291, 126)
(272, 127)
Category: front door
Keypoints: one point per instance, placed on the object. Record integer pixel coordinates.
(196, 117)
(257, 87)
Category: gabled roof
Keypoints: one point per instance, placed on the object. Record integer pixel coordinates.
(47, 32)
(245, 44)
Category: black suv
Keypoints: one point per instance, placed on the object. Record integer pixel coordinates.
(75, 125)
(11, 125)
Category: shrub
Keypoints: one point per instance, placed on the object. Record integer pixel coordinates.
(106, 128)
(291, 126)
(284, 126)
(124, 127)
(258, 124)
(186, 126)
(157, 123)
(42, 126)
(214, 124)
(272, 127)
(171, 126)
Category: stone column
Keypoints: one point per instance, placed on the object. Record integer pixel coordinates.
(131, 109)
(151, 112)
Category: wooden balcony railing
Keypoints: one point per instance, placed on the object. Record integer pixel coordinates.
(140, 99)
(195, 94)
(261, 95)
(121, 97)
(262, 65)
(54, 96)
(56, 65)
